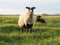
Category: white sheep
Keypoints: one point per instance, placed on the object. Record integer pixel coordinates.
(26, 20)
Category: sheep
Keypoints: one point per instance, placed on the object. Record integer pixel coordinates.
(39, 19)
(26, 20)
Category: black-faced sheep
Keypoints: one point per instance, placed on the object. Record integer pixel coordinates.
(26, 20)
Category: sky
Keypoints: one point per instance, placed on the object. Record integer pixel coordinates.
(18, 6)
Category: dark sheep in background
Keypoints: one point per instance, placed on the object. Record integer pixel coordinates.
(39, 19)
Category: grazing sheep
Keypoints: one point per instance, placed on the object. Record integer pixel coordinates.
(26, 20)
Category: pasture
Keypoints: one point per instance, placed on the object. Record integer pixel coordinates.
(43, 33)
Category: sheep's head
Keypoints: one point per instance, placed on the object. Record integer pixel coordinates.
(30, 9)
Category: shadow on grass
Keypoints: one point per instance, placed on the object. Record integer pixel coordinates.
(9, 29)
(38, 30)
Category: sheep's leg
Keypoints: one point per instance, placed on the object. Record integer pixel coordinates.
(23, 29)
(27, 29)
(30, 29)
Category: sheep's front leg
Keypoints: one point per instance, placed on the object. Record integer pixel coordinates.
(23, 29)
(30, 29)
(27, 29)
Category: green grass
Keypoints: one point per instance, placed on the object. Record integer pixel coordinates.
(45, 34)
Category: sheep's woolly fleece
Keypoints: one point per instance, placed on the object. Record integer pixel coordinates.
(23, 19)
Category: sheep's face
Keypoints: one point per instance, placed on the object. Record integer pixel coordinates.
(30, 9)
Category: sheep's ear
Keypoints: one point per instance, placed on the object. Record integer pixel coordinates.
(33, 7)
(28, 7)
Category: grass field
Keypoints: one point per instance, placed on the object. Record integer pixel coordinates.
(45, 33)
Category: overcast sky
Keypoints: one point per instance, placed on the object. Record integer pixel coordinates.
(18, 6)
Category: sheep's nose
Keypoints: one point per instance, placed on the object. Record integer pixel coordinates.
(30, 11)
